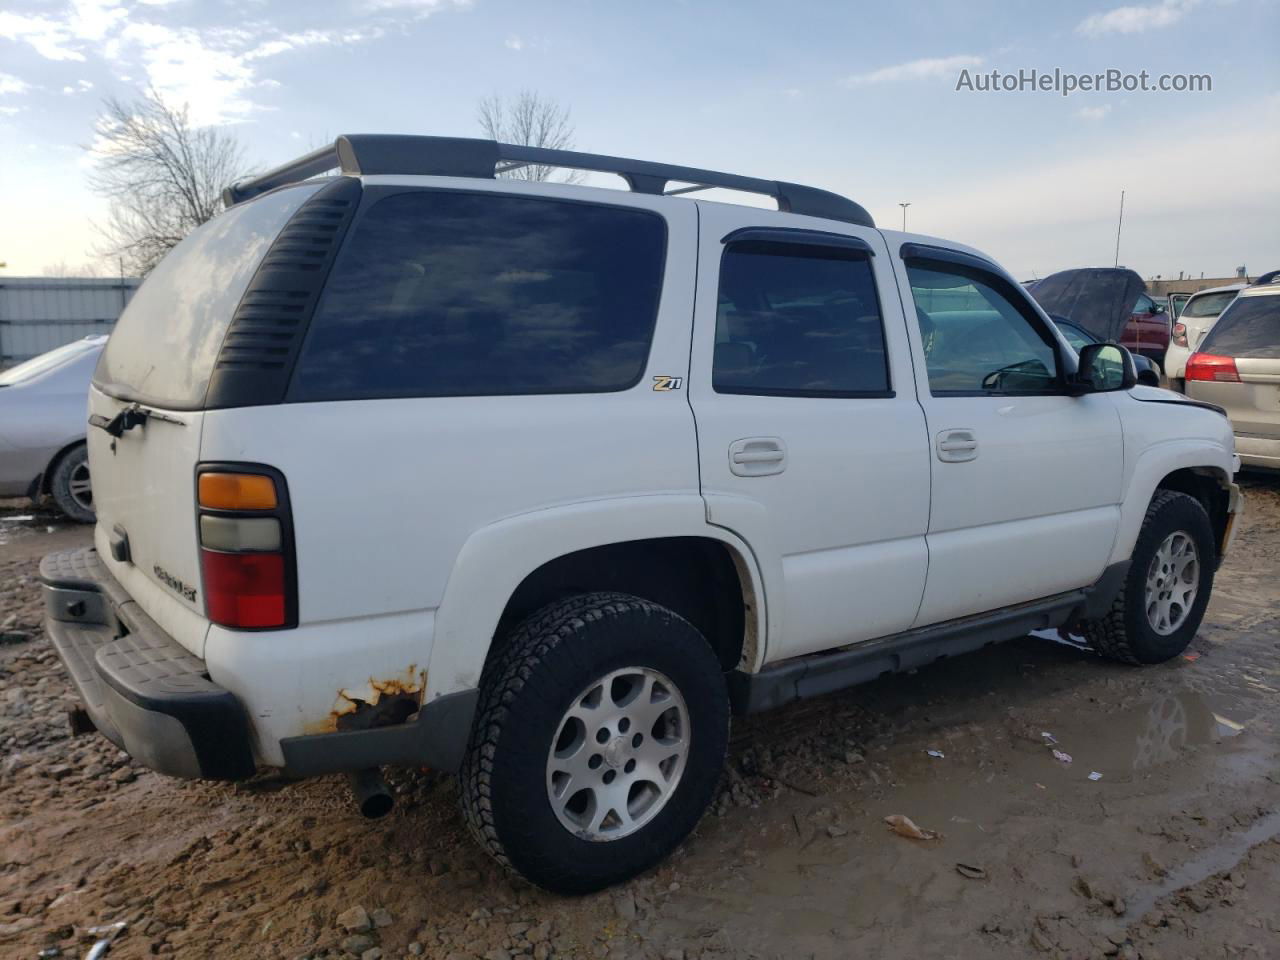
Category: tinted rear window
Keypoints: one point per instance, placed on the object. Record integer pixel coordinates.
(1209, 304)
(165, 343)
(1249, 328)
(448, 293)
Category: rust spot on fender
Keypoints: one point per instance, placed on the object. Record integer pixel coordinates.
(382, 702)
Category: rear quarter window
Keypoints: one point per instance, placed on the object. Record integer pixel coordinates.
(1249, 328)
(164, 345)
(450, 293)
(1208, 305)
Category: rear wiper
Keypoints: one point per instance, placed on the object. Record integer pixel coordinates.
(134, 415)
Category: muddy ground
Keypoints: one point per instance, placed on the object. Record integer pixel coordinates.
(1173, 852)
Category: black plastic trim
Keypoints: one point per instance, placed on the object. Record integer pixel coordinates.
(799, 237)
(381, 154)
(283, 513)
(1184, 403)
(262, 342)
(927, 251)
(436, 738)
(144, 691)
(823, 673)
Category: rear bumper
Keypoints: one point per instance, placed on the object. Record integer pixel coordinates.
(152, 698)
(1258, 451)
(143, 691)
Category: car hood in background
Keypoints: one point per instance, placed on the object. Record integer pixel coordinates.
(1100, 299)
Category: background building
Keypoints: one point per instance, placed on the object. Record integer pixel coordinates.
(40, 313)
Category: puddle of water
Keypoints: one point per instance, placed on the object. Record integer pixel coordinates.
(1147, 736)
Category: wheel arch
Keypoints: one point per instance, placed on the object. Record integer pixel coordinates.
(659, 548)
(41, 487)
(1186, 467)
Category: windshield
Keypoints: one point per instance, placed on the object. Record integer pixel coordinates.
(1208, 304)
(1249, 329)
(47, 361)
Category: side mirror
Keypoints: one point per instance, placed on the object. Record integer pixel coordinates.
(1104, 367)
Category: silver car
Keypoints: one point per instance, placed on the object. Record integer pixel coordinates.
(1238, 367)
(42, 427)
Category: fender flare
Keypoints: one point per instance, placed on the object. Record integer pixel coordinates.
(1156, 463)
(497, 558)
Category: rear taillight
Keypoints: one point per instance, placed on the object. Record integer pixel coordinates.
(246, 546)
(1207, 366)
(1180, 333)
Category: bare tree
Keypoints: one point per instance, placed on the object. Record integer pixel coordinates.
(162, 175)
(64, 269)
(532, 121)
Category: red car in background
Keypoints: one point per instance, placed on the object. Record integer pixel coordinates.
(1148, 330)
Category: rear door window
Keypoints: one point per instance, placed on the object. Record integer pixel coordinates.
(164, 345)
(798, 320)
(1249, 328)
(449, 293)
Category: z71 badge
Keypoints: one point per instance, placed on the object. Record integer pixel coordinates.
(663, 384)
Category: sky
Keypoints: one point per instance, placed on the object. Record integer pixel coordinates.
(856, 97)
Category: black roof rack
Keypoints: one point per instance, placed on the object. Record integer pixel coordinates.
(1267, 279)
(370, 154)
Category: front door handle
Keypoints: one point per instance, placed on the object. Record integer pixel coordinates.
(957, 446)
(757, 456)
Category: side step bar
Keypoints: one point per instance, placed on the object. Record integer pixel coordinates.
(819, 673)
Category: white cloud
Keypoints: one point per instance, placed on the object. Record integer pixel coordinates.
(1094, 113)
(514, 42)
(213, 71)
(185, 68)
(49, 38)
(11, 84)
(421, 7)
(926, 68)
(1135, 19)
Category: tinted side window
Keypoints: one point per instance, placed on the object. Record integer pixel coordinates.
(976, 338)
(795, 320)
(1250, 327)
(446, 293)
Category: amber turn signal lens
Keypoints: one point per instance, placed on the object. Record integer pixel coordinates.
(237, 491)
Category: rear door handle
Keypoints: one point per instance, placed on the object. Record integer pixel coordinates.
(957, 446)
(757, 456)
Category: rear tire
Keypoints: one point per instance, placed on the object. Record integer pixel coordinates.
(69, 485)
(1165, 593)
(599, 739)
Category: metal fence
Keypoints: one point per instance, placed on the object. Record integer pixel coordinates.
(40, 313)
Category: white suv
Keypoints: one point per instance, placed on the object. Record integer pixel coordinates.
(1196, 319)
(539, 482)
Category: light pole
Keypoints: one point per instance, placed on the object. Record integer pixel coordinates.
(904, 215)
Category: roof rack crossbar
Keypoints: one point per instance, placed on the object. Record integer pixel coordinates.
(372, 154)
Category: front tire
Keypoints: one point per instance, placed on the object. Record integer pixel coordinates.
(598, 742)
(1166, 591)
(69, 485)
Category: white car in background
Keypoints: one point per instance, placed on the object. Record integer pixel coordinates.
(1193, 323)
(43, 409)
